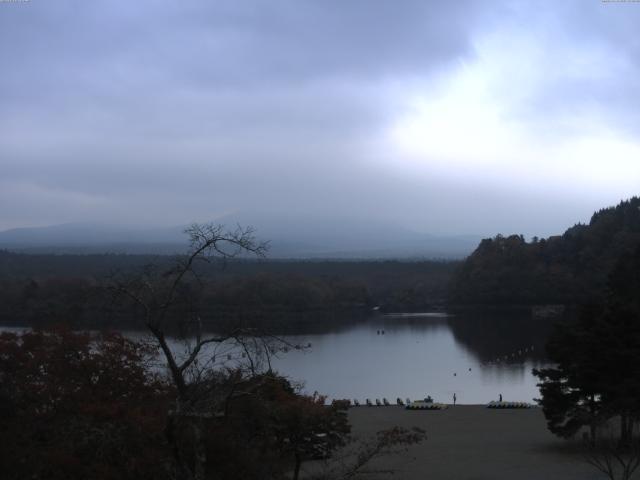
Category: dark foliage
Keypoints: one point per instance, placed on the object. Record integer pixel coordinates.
(568, 269)
(597, 376)
(269, 429)
(77, 407)
(48, 289)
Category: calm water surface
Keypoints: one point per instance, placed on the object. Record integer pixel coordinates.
(477, 357)
(422, 355)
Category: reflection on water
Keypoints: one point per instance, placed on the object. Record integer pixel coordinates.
(477, 357)
(419, 355)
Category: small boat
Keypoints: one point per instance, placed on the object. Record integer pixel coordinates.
(422, 405)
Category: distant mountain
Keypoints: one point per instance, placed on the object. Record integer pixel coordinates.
(94, 238)
(348, 237)
(566, 269)
(289, 237)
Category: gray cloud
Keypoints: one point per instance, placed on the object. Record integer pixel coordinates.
(167, 112)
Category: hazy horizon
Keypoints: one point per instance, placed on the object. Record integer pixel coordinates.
(465, 118)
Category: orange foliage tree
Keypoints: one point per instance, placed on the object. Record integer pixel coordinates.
(77, 406)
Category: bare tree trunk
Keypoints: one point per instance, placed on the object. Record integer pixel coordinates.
(593, 426)
(199, 450)
(157, 293)
(624, 430)
(296, 470)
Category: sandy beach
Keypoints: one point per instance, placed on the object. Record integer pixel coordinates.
(471, 442)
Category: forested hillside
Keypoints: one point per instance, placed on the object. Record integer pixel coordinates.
(565, 269)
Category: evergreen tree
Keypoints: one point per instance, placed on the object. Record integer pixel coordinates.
(571, 391)
(597, 372)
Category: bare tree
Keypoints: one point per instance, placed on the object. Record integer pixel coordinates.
(164, 301)
(356, 459)
(616, 459)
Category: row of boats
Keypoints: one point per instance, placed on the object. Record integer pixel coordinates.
(378, 403)
(425, 404)
(495, 404)
(428, 404)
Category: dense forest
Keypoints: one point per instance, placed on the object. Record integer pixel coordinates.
(44, 289)
(567, 269)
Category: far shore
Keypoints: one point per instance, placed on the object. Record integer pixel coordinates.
(472, 442)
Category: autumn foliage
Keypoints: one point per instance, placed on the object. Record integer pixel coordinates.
(77, 406)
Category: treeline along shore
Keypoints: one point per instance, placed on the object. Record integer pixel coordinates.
(47, 288)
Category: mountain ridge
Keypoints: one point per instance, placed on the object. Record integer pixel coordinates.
(288, 238)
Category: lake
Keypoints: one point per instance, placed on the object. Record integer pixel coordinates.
(476, 356)
(415, 355)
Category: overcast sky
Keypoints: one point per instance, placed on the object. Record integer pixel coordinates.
(445, 117)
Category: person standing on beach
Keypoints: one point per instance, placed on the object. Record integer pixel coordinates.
(454, 399)
(500, 397)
